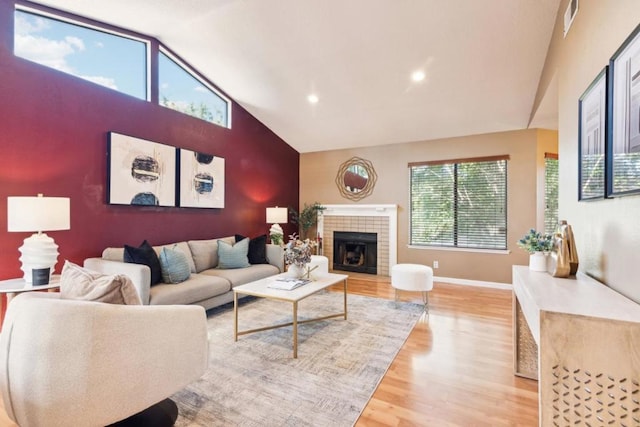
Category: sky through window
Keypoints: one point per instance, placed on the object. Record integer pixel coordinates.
(107, 59)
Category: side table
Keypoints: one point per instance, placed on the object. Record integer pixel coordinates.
(11, 287)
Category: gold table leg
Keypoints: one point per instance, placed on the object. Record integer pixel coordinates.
(295, 329)
(235, 316)
(293, 323)
(345, 299)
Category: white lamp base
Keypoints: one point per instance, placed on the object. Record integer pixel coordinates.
(276, 229)
(38, 251)
(277, 234)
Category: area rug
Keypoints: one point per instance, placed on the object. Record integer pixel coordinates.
(256, 382)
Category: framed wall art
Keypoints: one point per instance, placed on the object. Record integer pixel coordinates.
(592, 133)
(201, 180)
(140, 172)
(623, 154)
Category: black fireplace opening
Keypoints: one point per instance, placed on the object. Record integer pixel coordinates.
(357, 252)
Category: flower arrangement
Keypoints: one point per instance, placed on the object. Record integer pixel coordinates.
(535, 241)
(298, 251)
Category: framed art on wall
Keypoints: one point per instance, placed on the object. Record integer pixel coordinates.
(140, 172)
(201, 180)
(623, 154)
(592, 133)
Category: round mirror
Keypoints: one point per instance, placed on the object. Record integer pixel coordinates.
(356, 178)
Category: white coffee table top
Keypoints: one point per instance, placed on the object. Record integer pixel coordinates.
(19, 285)
(260, 288)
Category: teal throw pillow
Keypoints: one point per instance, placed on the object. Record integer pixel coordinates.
(174, 265)
(233, 256)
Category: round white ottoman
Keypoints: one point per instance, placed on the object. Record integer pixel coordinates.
(319, 265)
(413, 277)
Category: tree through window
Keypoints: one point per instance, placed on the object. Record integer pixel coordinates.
(459, 203)
(182, 91)
(550, 193)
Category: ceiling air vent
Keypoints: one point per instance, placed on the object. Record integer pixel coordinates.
(569, 15)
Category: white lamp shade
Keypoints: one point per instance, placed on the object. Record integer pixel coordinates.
(38, 213)
(277, 215)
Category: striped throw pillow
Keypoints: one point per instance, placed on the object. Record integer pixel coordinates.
(233, 256)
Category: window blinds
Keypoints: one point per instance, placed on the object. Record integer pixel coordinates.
(550, 193)
(460, 203)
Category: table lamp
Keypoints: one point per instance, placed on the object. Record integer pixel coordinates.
(38, 214)
(275, 216)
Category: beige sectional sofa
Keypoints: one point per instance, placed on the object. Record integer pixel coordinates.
(207, 286)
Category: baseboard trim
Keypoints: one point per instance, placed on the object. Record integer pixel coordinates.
(465, 282)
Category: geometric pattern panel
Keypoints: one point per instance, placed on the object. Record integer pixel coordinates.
(525, 347)
(584, 398)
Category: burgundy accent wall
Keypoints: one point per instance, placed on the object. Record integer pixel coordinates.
(53, 140)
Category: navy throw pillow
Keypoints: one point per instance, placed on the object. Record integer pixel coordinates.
(145, 255)
(257, 249)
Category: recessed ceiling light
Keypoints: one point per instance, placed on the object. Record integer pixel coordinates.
(418, 76)
(313, 98)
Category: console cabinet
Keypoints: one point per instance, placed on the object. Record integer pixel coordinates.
(581, 340)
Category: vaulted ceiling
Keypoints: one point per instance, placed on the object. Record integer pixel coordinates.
(481, 60)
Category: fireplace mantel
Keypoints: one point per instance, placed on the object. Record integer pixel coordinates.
(361, 210)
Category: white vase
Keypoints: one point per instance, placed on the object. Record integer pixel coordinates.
(538, 261)
(296, 271)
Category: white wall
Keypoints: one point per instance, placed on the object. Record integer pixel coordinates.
(607, 232)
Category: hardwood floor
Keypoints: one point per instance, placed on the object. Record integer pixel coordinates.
(456, 367)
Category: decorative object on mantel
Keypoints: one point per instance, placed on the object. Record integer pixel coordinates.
(538, 245)
(356, 178)
(307, 218)
(297, 254)
(39, 251)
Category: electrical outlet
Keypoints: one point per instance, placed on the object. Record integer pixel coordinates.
(435, 264)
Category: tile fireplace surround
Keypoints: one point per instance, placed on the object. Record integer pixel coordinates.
(380, 219)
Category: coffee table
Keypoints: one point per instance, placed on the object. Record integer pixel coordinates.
(260, 288)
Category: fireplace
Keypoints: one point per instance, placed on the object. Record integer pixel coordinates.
(356, 252)
(380, 219)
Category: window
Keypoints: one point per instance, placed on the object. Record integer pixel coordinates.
(180, 90)
(116, 60)
(550, 193)
(459, 203)
(105, 58)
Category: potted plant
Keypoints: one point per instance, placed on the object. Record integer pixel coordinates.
(307, 218)
(538, 245)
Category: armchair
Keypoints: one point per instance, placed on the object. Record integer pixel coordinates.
(79, 363)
